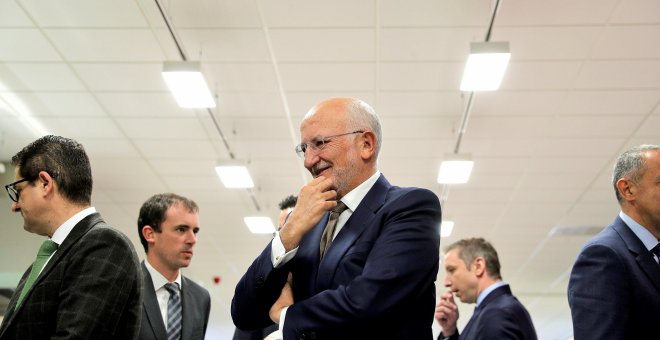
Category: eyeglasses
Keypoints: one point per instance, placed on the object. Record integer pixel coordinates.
(319, 144)
(11, 189)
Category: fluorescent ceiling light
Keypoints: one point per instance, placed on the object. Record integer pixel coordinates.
(455, 169)
(259, 225)
(485, 66)
(446, 227)
(234, 176)
(187, 84)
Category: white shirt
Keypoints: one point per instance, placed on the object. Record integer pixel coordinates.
(278, 255)
(162, 295)
(64, 230)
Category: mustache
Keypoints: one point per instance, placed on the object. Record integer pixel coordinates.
(318, 167)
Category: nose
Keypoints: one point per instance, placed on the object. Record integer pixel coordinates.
(447, 282)
(192, 238)
(311, 158)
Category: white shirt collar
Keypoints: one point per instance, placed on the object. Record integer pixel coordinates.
(157, 278)
(355, 196)
(63, 231)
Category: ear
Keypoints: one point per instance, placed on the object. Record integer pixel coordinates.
(149, 234)
(479, 266)
(367, 145)
(46, 183)
(627, 189)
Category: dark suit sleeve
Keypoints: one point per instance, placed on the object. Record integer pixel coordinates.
(256, 292)
(402, 262)
(101, 288)
(598, 294)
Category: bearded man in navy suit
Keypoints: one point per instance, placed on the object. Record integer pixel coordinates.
(472, 272)
(375, 280)
(614, 289)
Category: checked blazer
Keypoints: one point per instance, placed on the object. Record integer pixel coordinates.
(89, 289)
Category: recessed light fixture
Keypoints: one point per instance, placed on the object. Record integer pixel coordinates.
(234, 176)
(187, 84)
(455, 169)
(485, 66)
(259, 224)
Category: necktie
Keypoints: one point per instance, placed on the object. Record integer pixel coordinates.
(45, 251)
(656, 250)
(329, 230)
(173, 312)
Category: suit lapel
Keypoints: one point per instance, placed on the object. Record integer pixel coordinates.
(354, 227)
(642, 255)
(151, 307)
(80, 229)
(186, 299)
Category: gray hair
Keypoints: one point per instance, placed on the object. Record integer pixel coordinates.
(361, 115)
(631, 165)
(471, 248)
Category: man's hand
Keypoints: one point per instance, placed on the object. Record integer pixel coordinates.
(285, 300)
(314, 199)
(446, 312)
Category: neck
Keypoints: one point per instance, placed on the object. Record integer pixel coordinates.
(167, 272)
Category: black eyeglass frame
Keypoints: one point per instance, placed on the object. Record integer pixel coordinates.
(14, 195)
(301, 148)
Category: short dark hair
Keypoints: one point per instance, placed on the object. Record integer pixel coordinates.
(288, 202)
(62, 158)
(152, 212)
(471, 248)
(631, 165)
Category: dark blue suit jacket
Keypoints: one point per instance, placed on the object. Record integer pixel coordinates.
(614, 290)
(499, 316)
(376, 280)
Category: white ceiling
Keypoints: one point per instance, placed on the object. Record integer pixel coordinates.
(583, 85)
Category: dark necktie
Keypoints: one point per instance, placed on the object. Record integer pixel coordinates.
(329, 230)
(656, 250)
(173, 312)
(45, 251)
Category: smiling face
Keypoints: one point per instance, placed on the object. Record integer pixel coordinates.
(341, 159)
(172, 247)
(459, 278)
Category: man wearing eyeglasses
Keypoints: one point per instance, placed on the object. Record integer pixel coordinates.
(85, 282)
(363, 254)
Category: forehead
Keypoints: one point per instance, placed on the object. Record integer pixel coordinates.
(326, 119)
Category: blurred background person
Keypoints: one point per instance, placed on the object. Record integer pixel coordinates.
(174, 307)
(472, 272)
(614, 289)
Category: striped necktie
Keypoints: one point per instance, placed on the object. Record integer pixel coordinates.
(45, 251)
(174, 317)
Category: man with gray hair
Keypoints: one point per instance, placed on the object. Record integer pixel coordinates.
(614, 289)
(362, 254)
(472, 272)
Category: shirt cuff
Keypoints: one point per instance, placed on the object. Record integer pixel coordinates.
(278, 254)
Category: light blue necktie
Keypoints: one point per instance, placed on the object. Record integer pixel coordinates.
(174, 316)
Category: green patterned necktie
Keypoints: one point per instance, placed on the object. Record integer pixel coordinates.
(45, 251)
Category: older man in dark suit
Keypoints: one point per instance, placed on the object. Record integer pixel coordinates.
(366, 270)
(85, 283)
(175, 307)
(472, 272)
(614, 289)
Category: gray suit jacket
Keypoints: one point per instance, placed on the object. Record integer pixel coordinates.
(196, 304)
(90, 289)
